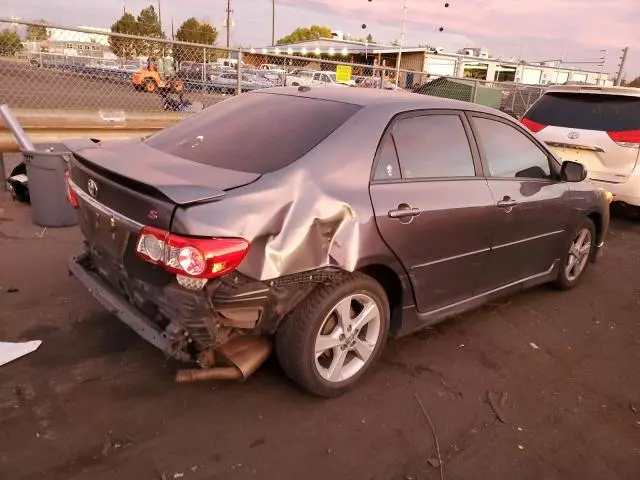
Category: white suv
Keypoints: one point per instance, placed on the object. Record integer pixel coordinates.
(596, 126)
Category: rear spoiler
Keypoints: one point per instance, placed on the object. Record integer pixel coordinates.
(178, 180)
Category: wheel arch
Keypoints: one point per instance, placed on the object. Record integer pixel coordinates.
(393, 286)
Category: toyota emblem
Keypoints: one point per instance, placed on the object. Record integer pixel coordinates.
(93, 188)
(573, 135)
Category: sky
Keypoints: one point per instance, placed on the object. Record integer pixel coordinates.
(574, 30)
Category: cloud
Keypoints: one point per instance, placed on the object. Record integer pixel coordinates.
(595, 23)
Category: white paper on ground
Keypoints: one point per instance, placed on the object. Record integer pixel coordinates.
(11, 351)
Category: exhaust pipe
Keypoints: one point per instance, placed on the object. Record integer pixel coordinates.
(239, 358)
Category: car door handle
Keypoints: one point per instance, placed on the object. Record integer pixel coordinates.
(507, 203)
(404, 211)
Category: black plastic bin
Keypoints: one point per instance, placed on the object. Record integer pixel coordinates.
(46, 167)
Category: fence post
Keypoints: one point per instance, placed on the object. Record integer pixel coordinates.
(239, 89)
(474, 93)
(204, 70)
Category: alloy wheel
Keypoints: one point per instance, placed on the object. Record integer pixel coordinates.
(578, 254)
(347, 338)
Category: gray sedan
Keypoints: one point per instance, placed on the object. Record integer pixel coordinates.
(321, 221)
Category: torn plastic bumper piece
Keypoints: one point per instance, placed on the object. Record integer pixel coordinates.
(126, 312)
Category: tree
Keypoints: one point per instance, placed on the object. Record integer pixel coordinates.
(368, 39)
(149, 26)
(633, 83)
(149, 23)
(194, 31)
(125, 47)
(301, 34)
(10, 43)
(37, 33)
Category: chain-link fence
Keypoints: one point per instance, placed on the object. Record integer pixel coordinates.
(84, 69)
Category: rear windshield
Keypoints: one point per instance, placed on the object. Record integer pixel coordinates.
(254, 132)
(587, 111)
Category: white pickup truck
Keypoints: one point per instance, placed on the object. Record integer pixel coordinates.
(311, 78)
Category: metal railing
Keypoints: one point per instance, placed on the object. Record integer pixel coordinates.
(82, 69)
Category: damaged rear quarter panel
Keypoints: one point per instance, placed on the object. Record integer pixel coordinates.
(311, 214)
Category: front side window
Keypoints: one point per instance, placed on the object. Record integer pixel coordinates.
(509, 153)
(433, 146)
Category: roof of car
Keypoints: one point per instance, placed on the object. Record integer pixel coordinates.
(630, 91)
(394, 99)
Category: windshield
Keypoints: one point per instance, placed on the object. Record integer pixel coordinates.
(254, 132)
(587, 111)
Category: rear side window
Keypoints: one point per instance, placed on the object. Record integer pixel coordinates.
(433, 146)
(388, 167)
(587, 111)
(254, 132)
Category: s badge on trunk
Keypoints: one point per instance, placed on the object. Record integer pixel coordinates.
(92, 186)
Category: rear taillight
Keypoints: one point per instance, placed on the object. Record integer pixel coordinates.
(71, 195)
(195, 257)
(626, 138)
(535, 127)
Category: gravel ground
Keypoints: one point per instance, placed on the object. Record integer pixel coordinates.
(96, 402)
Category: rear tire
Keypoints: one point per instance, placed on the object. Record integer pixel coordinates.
(579, 253)
(150, 85)
(334, 336)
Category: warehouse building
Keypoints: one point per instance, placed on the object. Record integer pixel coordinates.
(470, 63)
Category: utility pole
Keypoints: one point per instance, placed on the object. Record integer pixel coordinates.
(273, 24)
(604, 59)
(402, 34)
(228, 23)
(159, 15)
(623, 61)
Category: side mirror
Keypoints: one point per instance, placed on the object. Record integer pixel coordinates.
(573, 172)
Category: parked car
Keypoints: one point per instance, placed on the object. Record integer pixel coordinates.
(310, 78)
(596, 126)
(228, 82)
(273, 68)
(323, 220)
(374, 82)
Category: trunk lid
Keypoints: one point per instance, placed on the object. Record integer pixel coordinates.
(126, 185)
(603, 158)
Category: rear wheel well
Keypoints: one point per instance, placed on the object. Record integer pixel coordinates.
(392, 286)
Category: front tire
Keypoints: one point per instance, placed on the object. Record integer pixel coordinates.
(579, 254)
(334, 336)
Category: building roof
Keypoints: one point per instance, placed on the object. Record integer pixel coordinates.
(327, 46)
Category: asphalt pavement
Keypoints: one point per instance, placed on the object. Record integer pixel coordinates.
(96, 402)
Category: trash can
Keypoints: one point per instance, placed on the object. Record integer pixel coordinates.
(46, 167)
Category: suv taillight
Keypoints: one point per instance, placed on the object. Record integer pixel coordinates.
(195, 257)
(535, 127)
(626, 138)
(71, 195)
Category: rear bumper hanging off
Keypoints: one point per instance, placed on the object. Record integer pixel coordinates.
(127, 313)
